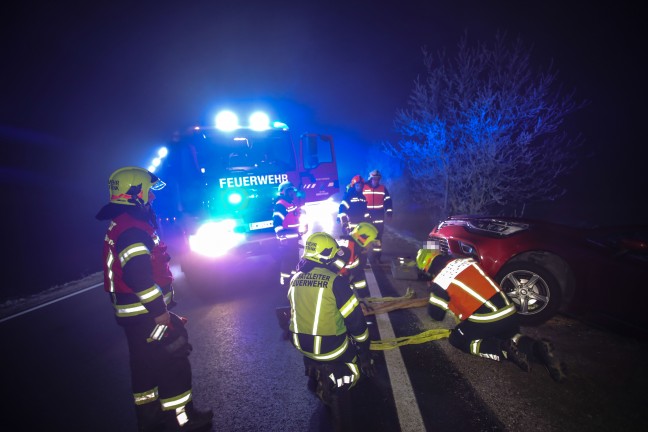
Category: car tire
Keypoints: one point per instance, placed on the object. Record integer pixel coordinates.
(534, 290)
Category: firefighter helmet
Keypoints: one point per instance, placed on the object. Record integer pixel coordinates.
(320, 248)
(284, 186)
(424, 258)
(131, 185)
(356, 179)
(375, 173)
(364, 233)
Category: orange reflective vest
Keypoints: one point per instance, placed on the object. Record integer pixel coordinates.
(286, 219)
(468, 288)
(378, 198)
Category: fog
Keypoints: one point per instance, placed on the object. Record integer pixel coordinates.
(90, 88)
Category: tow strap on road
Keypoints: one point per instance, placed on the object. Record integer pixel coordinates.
(426, 336)
(376, 305)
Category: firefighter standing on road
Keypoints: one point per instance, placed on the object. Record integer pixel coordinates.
(285, 220)
(352, 265)
(489, 324)
(326, 324)
(353, 207)
(138, 278)
(379, 205)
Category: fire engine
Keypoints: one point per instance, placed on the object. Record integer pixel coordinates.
(222, 183)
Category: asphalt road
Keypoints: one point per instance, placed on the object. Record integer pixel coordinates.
(65, 367)
(606, 382)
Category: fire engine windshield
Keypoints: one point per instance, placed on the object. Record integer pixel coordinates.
(254, 152)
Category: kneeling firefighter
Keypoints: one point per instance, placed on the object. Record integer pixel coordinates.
(139, 282)
(488, 321)
(326, 324)
(355, 248)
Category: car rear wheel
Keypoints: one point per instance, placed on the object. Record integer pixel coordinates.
(534, 290)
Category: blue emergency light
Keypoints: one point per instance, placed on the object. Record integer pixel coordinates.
(228, 121)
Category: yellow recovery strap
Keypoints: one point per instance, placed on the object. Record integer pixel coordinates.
(376, 305)
(426, 336)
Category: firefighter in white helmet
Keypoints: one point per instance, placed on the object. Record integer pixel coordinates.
(285, 220)
(379, 206)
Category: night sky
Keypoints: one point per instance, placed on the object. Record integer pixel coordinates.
(95, 86)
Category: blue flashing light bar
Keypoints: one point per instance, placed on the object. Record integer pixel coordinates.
(228, 121)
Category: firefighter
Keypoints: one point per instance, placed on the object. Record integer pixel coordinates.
(352, 265)
(379, 205)
(139, 282)
(353, 207)
(285, 220)
(488, 320)
(326, 324)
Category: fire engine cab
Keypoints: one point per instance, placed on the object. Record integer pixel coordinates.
(222, 184)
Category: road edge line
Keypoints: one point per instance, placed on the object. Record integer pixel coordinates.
(7, 318)
(402, 391)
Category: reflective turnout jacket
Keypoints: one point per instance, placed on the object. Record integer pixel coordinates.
(352, 262)
(353, 208)
(285, 219)
(324, 314)
(462, 287)
(136, 269)
(378, 201)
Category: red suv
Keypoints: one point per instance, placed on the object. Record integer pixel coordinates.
(599, 274)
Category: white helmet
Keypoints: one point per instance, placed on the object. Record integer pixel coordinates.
(284, 186)
(375, 173)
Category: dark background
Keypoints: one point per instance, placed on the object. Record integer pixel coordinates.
(89, 87)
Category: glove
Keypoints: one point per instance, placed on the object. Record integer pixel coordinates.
(177, 342)
(363, 293)
(163, 319)
(367, 364)
(436, 313)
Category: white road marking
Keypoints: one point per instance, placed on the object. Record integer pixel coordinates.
(50, 302)
(409, 415)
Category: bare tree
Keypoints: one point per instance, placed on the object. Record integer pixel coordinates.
(483, 129)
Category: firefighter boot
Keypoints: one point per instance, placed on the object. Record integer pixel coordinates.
(544, 354)
(312, 374)
(341, 411)
(512, 353)
(188, 418)
(325, 390)
(149, 417)
(283, 316)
